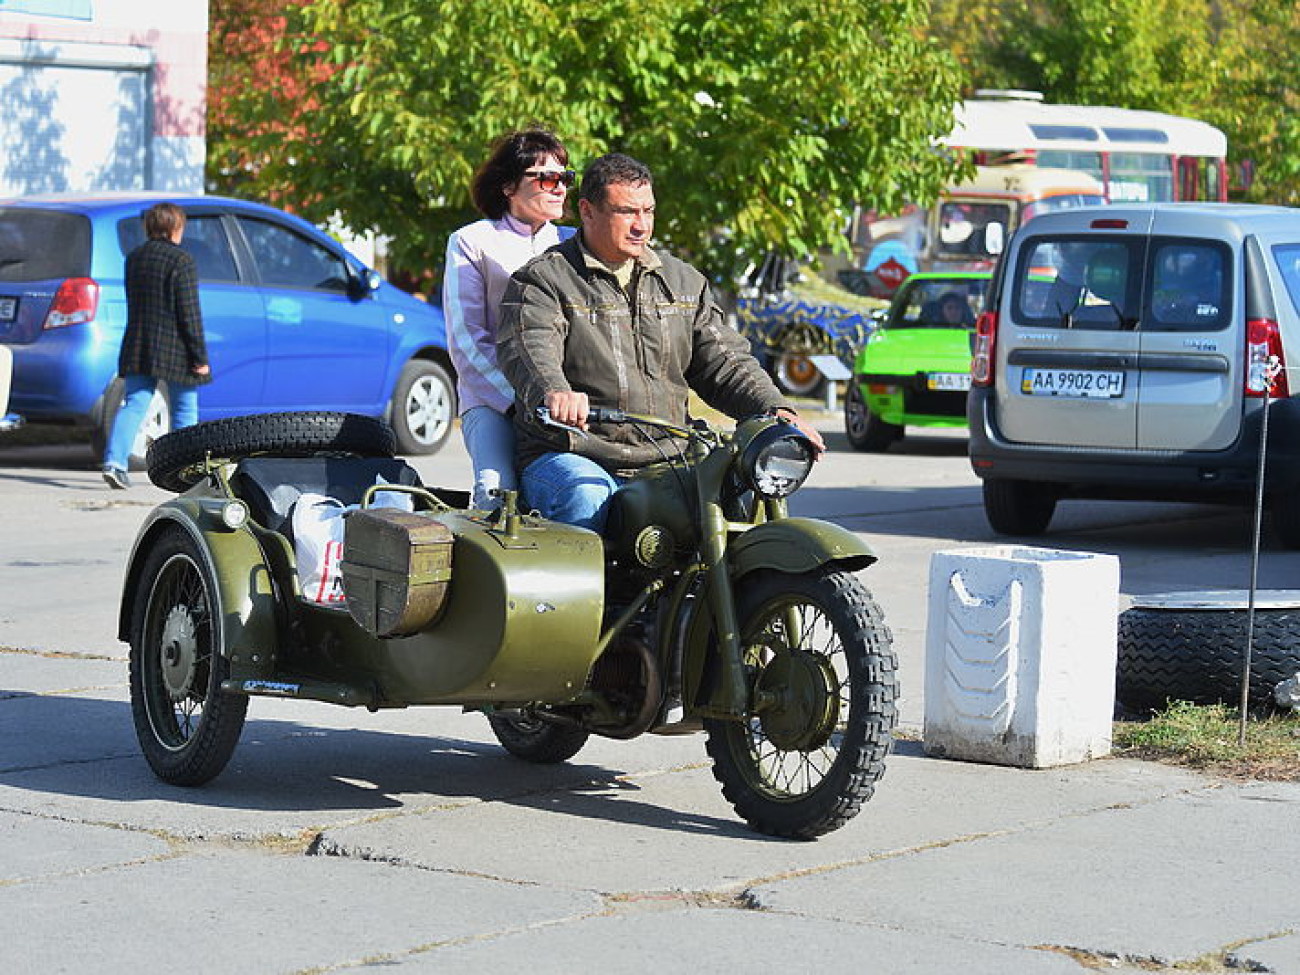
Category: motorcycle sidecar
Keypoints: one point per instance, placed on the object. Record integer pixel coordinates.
(210, 591)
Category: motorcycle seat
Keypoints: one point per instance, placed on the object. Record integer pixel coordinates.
(271, 485)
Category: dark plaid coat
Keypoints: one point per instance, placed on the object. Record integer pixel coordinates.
(164, 326)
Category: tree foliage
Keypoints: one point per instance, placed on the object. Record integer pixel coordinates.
(1232, 63)
(764, 121)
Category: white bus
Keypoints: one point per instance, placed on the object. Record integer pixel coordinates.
(1137, 156)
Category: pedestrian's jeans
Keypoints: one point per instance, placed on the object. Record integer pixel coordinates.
(569, 488)
(490, 440)
(136, 394)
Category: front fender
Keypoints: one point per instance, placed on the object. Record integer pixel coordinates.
(237, 566)
(797, 545)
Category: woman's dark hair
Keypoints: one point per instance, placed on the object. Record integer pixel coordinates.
(612, 168)
(162, 219)
(512, 156)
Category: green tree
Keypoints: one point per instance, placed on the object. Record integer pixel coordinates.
(1257, 96)
(764, 120)
(1232, 63)
(1133, 53)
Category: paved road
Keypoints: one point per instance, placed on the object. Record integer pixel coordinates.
(339, 840)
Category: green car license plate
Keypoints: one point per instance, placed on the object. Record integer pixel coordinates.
(958, 381)
(1072, 383)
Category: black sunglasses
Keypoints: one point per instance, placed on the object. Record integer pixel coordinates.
(552, 179)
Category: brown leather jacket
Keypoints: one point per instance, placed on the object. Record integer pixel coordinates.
(567, 325)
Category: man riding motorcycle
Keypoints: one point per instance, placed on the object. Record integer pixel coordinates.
(604, 320)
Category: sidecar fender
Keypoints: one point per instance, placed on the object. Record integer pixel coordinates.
(797, 545)
(247, 630)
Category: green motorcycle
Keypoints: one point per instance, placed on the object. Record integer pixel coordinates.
(703, 607)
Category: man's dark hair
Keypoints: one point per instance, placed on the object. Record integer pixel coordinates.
(612, 168)
(161, 221)
(512, 155)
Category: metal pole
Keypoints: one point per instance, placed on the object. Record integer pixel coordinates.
(1271, 371)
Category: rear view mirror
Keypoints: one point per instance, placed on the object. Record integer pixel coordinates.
(363, 282)
(994, 238)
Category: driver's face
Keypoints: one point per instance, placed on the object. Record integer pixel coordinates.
(619, 229)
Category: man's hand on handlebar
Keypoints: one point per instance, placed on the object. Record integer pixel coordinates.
(806, 428)
(569, 408)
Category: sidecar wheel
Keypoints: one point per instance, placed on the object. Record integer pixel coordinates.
(535, 740)
(187, 726)
(806, 760)
(176, 460)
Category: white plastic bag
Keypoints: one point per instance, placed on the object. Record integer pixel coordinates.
(318, 547)
(391, 499)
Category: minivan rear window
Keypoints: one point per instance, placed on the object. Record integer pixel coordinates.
(41, 245)
(1162, 284)
(1091, 282)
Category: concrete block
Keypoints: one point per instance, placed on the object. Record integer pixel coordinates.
(1020, 655)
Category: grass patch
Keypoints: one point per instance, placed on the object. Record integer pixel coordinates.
(1205, 737)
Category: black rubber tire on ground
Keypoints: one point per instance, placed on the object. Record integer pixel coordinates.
(535, 740)
(865, 430)
(176, 460)
(1018, 507)
(804, 765)
(423, 410)
(1195, 655)
(187, 726)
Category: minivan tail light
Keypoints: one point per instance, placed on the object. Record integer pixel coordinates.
(986, 334)
(1109, 223)
(76, 301)
(1264, 359)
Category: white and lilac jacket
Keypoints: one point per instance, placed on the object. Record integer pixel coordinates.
(481, 257)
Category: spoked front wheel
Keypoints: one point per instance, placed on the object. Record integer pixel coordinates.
(187, 726)
(824, 685)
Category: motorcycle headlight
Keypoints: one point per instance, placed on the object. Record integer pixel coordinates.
(777, 461)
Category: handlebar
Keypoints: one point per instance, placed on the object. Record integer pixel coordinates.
(604, 414)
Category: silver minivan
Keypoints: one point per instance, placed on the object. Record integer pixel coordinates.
(1128, 352)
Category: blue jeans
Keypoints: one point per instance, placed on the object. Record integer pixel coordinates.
(490, 440)
(569, 488)
(136, 393)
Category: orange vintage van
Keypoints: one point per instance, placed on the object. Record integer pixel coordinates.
(966, 229)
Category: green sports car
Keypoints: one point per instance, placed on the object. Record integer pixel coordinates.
(915, 368)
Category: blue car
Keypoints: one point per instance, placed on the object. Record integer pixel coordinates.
(293, 321)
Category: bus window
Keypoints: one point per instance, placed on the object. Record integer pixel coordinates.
(1083, 162)
(1140, 177)
(963, 228)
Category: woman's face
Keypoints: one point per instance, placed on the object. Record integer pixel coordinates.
(530, 203)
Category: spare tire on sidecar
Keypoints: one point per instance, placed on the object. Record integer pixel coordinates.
(175, 462)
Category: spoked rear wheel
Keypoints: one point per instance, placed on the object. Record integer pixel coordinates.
(825, 686)
(187, 726)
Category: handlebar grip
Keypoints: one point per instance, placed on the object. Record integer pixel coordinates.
(596, 414)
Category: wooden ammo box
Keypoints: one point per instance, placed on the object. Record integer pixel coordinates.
(396, 569)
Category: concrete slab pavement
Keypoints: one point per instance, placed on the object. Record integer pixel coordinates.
(340, 840)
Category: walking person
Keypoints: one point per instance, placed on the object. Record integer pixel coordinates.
(164, 336)
(605, 320)
(520, 190)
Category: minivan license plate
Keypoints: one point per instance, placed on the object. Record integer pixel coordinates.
(8, 309)
(1076, 383)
